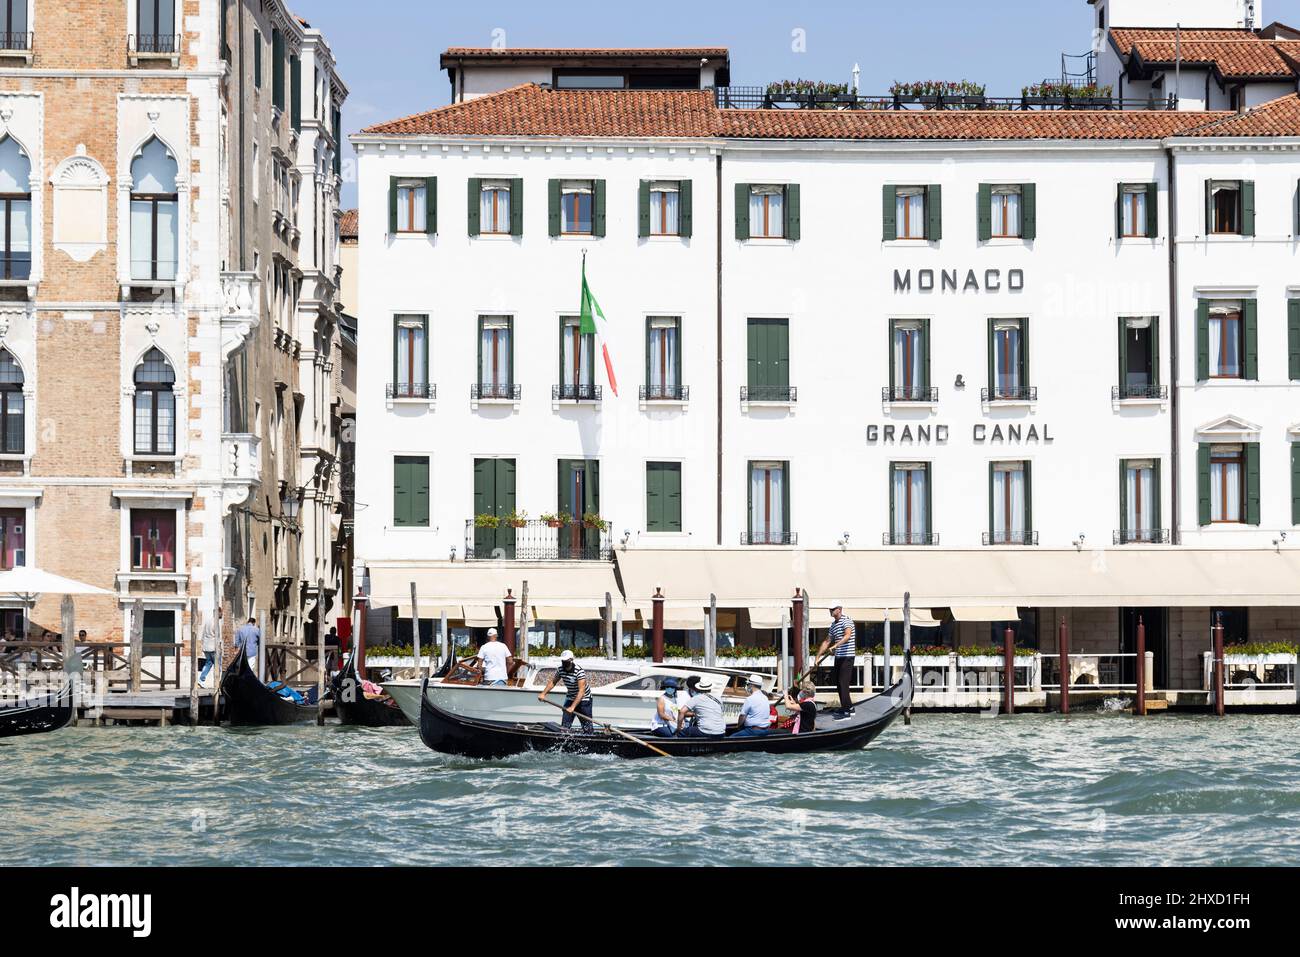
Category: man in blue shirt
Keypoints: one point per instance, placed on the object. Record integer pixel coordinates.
(247, 639)
(756, 712)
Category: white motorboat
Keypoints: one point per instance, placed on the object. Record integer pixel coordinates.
(624, 693)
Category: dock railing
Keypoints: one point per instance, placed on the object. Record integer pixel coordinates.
(1115, 671)
(112, 659)
(294, 664)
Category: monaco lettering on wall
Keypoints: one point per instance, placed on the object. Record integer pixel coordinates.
(982, 433)
(952, 280)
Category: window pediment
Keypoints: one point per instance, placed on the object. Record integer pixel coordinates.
(1229, 428)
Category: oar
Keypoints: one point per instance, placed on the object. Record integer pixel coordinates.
(608, 727)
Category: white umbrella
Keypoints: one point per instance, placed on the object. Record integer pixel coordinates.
(25, 582)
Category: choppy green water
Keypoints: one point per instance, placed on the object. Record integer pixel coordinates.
(1087, 789)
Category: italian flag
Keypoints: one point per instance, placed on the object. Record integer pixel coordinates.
(590, 311)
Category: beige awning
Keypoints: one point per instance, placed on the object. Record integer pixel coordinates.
(991, 613)
(565, 613)
(566, 584)
(769, 617)
(921, 617)
(480, 616)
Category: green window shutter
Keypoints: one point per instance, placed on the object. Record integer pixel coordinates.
(984, 212)
(1119, 211)
(778, 351)
(643, 209)
(1155, 350)
(1202, 340)
(510, 350)
(420, 493)
(505, 486)
(892, 503)
(889, 213)
(598, 208)
(553, 207)
(516, 207)
(749, 497)
(257, 59)
(1293, 338)
(992, 475)
(1209, 207)
(757, 358)
(742, 211)
(392, 204)
(401, 492)
(925, 353)
(1024, 353)
(563, 482)
(654, 497)
(1028, 211)
(431, 205)
(1123, 496)
(1250, 319)
(1252, 483)
(1247, 207)
(593, 486)
(484, 487)
(793, 229)
(685, 217)
(934, 213)
(1203, 483)
(992, 366)
(395, 342)
(1153, 210)
(785, 501)
(929, 501)
(478, 342)
(647, 351)
(1123, 355)
(890, 359)
(677, 353)
(1156, 495)
(1295, 483)
(1029, 496)
(474, 197)
(295, 93)
(672, 489)
(277, 69)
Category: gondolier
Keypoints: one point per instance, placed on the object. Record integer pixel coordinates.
(577, 699)
(841, 640)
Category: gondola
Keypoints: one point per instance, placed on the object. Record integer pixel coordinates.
(452, 734)
(353, 707)
(249, 703)
(39, 713)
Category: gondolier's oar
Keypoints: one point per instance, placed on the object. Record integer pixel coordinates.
(610, 727)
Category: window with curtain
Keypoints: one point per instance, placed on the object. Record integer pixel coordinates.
(1008, 361)
(1009, 503)
(911, 212)
(1225, 207)
(662, 345)
(1006, 212)
(1139, 356)
(15, 211)
(1134, 211)
(911, 523)
(13, 406)
(767, 212)
(154, 211)
(153, 539)
(575, 207)
(494, 206)
(1227, 484)
(494, 356)
(909, 361)
(1227, 341)
(156, 26)
(663, 209)
(767, 495)
(13, 25)
(155, 405)
(412, 211)
(13, 538)
(576, 360)
(410, 358)
(1139, 501)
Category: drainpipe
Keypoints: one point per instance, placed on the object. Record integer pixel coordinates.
(718, 333)
(1175, 526)
(242, 151)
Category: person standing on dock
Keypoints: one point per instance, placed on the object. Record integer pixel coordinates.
(211, 635)
(577, 699)
(247, 638)
(842, 641)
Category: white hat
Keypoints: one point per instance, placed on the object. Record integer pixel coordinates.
(835, 604)
(566, 655)
(756, 680)
(705, 684)
(492, 632)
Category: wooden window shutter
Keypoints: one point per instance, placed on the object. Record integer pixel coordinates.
(1123, 497)
(516, 207)
(984, 212)
(654, 497)
(505, 482)
(484, 487)
(992, 360)
(1247, 207)
(792, 216)
(1029, 495)
(757, 355)
(934, 213)
(1250, 320)
(1209, 207)
(1203, 483)
(892, 504)
(553, 207)
(1153, 210)
(510, 351)
(1295, 483)
(1119, 211)
(643, 209)
(889, 213)
(648, 347)
(392, 204)
(890, 358)
(749, 496)
(925, 354)
(677, 353)
(785, 502)
(295, 93)
(431, 205)
(593, 485)
(1123, 355)
(742, 211)
(1202, 340)
(672, 489)
(1293, 338)
(778, 351)
(992, 485)
(1024, 353)
(1252, 483)
(685, 216)
(1156, 495)
(929, 502)
(475, 198)
(401, 493)
(598, 207)
(1028, 211)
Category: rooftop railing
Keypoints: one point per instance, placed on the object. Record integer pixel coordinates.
(760, 98)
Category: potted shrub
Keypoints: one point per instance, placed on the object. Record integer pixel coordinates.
(593, 521)
(486, 520)
(517, 519)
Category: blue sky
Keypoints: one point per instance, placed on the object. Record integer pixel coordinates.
(390, 60)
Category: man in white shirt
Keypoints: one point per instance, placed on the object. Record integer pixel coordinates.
(495, 658)
(706, 708)
(756, 712)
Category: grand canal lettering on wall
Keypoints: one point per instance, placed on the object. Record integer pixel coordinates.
(952, 280)
(1011, 433)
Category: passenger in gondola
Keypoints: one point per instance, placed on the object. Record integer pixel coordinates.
(577, 700)
(804, 706)
(706, 708)
(755, 713)
(667, 720)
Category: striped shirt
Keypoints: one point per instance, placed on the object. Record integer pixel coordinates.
(571, 679)
(839, 628)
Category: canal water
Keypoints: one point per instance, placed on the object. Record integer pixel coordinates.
(951, 789)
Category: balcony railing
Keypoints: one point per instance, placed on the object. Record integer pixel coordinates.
(16, 41)
(769, 393)
(759, 98)
(1003, 537)
(901, 393)
(535, 540)
(167, 43)
(780, 538)
(576, 392)
(1024, 393)
(665, 393)
(411, 390)
(1144, 536)
(1121, 392)
(910, 538)
(493, 390)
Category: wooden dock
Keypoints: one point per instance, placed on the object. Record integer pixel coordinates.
(163, 708)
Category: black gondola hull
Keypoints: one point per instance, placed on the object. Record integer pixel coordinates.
(249, 703)
(39, 714)
(353, 707)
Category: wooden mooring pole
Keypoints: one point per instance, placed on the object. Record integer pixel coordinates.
(508, 620)
(1009, 671)
(1218, 664)
(907, 646)
(195, 638)
(321, 620)
(415, 626)
(657, 626)
(1063, 650)
(796, 628)
(1140, 702)
(137, 642)
(521, 644)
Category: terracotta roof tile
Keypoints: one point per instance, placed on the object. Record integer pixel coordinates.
(1280, 117)
(348, 224)
(1233, 53)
